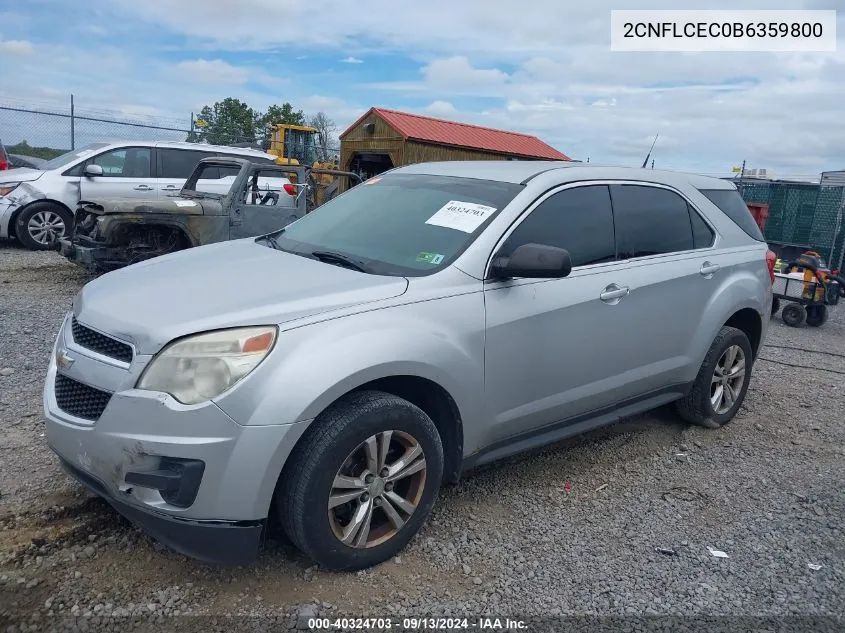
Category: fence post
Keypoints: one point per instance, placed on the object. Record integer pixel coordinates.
(72, 126)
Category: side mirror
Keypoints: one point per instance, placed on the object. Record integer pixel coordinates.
(537, 261)
(93, 170)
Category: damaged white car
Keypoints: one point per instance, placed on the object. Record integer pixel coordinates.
(36, 205)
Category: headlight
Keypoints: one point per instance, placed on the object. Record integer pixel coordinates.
(8, 188)
(201, 367)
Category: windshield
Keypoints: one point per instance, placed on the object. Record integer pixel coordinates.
(399, 224)
(69, 157)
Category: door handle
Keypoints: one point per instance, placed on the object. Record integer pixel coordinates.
(613, 294)
(708, 269)
(171, 187)
(143, 188)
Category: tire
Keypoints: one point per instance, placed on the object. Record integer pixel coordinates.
(336, 437)
(816, 315)
(775, 306)
(793, 315)
(54, 219)
(697, 407)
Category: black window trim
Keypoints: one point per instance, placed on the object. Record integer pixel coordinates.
(690, 208)
(87, 160)
(587, 183)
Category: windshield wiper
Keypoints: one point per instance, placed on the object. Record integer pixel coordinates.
(337, 258)
(272, 241)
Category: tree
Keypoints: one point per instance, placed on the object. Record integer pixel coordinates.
(226, 122)
(276, 114)
(326, 135)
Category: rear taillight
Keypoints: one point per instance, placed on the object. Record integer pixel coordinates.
(289, 189)
(4, 164)
(771, 258)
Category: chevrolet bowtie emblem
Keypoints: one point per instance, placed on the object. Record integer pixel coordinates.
(63, 360)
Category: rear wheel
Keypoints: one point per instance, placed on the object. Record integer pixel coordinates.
(793, 315)
(39, 224)
(362, 481)
(722, 381)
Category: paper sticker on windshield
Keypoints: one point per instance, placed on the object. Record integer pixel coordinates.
(461, 216)
(184, 203)
(430, 258)
(372, 181)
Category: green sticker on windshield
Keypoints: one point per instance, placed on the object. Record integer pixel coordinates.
(430, 258)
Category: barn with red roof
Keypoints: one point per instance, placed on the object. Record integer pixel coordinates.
(382, 139)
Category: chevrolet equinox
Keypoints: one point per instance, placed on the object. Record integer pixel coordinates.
(335, 373)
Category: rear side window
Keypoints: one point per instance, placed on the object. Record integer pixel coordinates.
(180, 163)
(578, 219)
(702, 234)
(733, 206)
(650, 221)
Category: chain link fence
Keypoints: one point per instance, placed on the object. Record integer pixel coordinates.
(46, 132)
(804, 214)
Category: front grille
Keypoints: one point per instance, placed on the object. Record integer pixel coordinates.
(79, 399)
(100, 343)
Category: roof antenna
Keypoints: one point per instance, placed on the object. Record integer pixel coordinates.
(645, 162)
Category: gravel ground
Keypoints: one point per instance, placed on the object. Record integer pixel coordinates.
(615, 523)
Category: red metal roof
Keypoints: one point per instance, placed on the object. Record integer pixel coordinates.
(442, 132)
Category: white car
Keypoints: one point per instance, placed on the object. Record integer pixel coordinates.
(37, 205)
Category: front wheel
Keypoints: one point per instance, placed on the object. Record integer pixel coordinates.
(722, 381)
(41, 223)
(362, 481)
(793, 315)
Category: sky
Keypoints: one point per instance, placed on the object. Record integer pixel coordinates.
(542, 67)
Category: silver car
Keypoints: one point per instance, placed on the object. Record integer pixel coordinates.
(333, 374)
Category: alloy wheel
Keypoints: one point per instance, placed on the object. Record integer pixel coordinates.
(45, 225)
(377, 489)
(728, 378)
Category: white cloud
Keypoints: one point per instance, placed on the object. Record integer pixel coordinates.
(534, 69)
(351, 60)
(440, 108)
(16, 47)
(213, 71)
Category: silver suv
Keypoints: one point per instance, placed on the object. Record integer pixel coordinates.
(333, 374)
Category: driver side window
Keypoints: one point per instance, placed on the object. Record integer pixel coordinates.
(263, 188)
(126, 162)
(579, 220)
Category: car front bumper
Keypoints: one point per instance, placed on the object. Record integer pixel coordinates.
(132, 454)
(92, 255)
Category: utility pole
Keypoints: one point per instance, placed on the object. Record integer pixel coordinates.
(72, 126)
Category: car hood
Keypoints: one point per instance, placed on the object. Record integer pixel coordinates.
(20, 174)
(221, 285)
(181, 206)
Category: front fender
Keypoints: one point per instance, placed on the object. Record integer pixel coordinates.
(312, 366)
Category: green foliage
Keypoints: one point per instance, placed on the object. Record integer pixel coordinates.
(25, 149)
(232, 121)
(226, 122)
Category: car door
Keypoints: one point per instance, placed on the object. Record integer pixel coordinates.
(174, 167)
(668, 273)
(550, 343)
(249, 217)
(127, 173)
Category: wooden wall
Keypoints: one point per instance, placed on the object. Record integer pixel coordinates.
(416, 152)
(384, 140)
